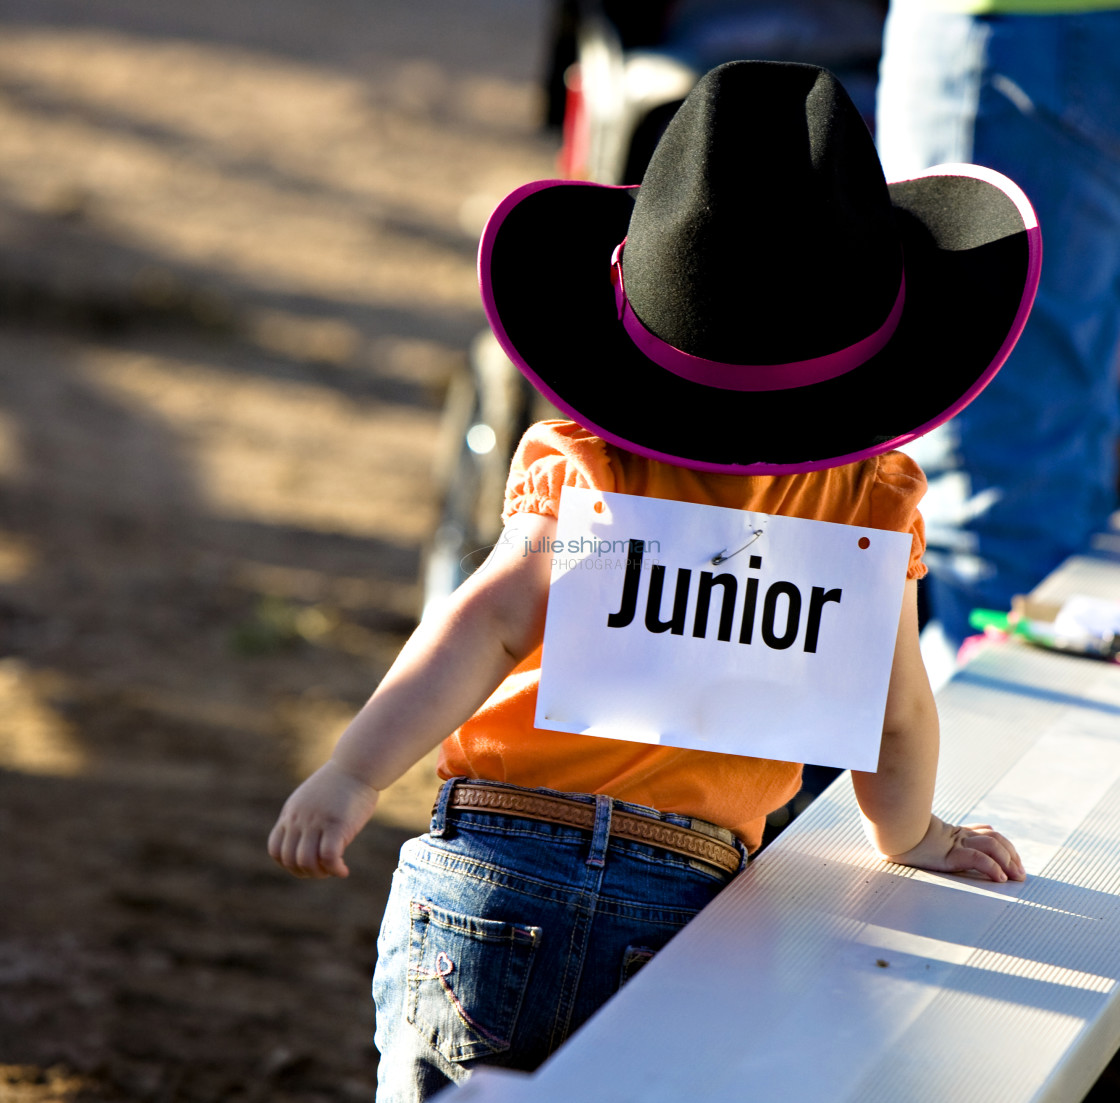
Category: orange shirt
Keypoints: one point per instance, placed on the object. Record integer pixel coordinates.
(500, 742)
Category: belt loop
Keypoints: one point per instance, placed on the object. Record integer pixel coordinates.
(744, 857)
(601, 832)
(439, 813)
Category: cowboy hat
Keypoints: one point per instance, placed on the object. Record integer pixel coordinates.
(764, 302)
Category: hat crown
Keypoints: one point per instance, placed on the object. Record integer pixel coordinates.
(763, 231)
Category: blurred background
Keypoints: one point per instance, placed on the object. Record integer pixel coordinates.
(237, 248)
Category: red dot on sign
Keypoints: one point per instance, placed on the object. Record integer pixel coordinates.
(864, 542)
(598, 507)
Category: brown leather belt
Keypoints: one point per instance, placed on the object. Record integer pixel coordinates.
(575, 813)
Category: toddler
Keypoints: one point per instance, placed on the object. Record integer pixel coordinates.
(758, 326)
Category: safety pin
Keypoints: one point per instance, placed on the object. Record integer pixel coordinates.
(719, 557)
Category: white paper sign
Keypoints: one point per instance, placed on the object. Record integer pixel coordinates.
(720, 630)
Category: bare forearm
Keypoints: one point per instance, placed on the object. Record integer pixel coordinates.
(454, 660)
(446, 669)
(436, 683)
(897, 800)
(452, 663)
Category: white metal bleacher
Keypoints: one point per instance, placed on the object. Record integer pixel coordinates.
(825, 974)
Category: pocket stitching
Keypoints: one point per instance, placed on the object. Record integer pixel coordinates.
(481, 1038)
(441, 975)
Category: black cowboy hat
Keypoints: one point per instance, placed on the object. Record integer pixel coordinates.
(764, 302)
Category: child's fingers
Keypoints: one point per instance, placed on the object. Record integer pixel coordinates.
(283, 844)
(276, 842)
(983, 855)
(966, 859)
(308, 852)
(296, 850)
(331, 847)
(1007, 844)
(306, 860)
(999, 847)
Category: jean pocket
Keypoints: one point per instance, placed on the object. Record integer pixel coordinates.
(466, 980)
(633, 960)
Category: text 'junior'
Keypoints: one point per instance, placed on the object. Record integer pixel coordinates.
(776, 613)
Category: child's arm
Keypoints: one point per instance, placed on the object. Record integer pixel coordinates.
(897, 799)
(448, 667)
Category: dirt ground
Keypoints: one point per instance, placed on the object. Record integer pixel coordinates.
(236, 274)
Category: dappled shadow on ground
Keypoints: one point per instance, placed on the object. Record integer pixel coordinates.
(236, 275)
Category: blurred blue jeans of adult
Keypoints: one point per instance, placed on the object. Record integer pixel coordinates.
(503, 934)
(1022, 477)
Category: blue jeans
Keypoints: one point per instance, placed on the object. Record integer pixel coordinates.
(1022, 477)
(501, 935)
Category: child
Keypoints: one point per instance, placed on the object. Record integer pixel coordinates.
(756, 327)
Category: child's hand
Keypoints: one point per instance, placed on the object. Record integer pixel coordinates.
(319, 821)
(975, 848)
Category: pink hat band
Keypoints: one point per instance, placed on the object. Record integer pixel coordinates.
(749, 377)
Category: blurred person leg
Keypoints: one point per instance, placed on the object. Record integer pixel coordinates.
(1022, 477)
